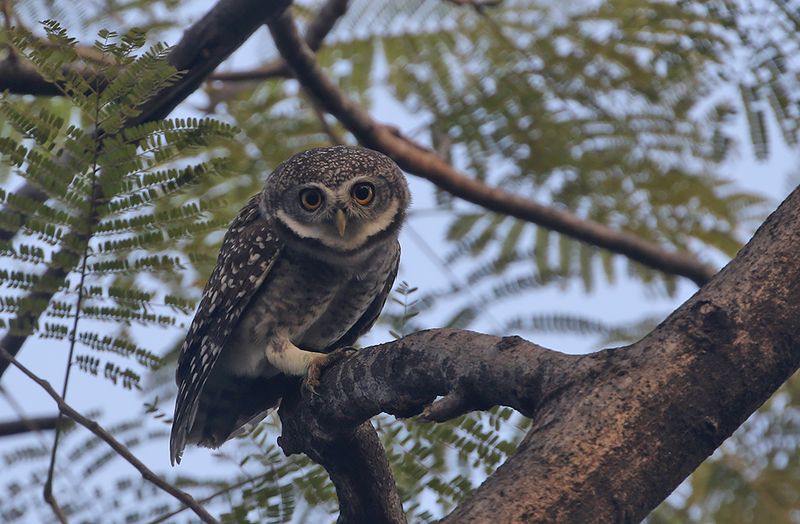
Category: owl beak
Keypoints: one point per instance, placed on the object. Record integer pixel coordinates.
(341, 222)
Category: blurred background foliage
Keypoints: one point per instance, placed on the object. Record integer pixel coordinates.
(622, 111)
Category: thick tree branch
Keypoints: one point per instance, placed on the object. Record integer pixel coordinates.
(420, 161)
(27, 425)
(613, 432)
(401, 378)
(203, 46)
(21, 77)
(354, 459)
(116, 445)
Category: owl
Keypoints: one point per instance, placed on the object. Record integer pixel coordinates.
(304, 270)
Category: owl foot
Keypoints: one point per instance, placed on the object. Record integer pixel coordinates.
(316, 366)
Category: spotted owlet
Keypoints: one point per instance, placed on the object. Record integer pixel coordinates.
(304, 269)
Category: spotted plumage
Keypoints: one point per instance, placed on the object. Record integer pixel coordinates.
(304, 269)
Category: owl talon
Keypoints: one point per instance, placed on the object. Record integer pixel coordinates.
(317, 365)
(311, 381)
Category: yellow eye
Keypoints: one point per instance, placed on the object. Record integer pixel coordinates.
(310, 199)
(363, 193)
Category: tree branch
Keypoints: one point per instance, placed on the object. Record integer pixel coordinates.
(20, 77)
(613, 432)
(317, 30)
(204, 46)
(116, 445)
(27, 425)
(354, 459)
(420, 161)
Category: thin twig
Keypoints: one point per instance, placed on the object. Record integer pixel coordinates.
(478, 5)
(5, 5)
(276, 69)
(421, 161)
(116, 445)
(50, 498)
(214, 495)
(73, 481)
(7, 14)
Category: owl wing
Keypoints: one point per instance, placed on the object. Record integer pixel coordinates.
(248, 252)
(373, 311)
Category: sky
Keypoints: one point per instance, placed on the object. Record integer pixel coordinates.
(424, 234)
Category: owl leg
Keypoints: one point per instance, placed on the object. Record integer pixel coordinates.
(290, 359)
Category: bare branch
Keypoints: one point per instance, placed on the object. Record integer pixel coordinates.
(613, 432)
(275, 69)
(7, 12)
(482, 370)
(420, 161)
(27, 425)
(477, 5)
(205, 45)
(317, 30)
(333, 135)
(116, 445)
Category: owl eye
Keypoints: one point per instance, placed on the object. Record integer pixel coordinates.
(310, 199)
(363, 193)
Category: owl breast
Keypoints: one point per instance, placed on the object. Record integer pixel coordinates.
(309, 302)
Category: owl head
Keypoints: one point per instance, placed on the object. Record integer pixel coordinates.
(336, 203)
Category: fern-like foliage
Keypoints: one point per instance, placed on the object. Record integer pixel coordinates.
(84, 265)
(103, 181)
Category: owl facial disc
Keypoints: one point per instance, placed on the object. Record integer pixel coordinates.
(341, 201)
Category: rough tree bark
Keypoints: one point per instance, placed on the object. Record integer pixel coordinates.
(614, 432)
